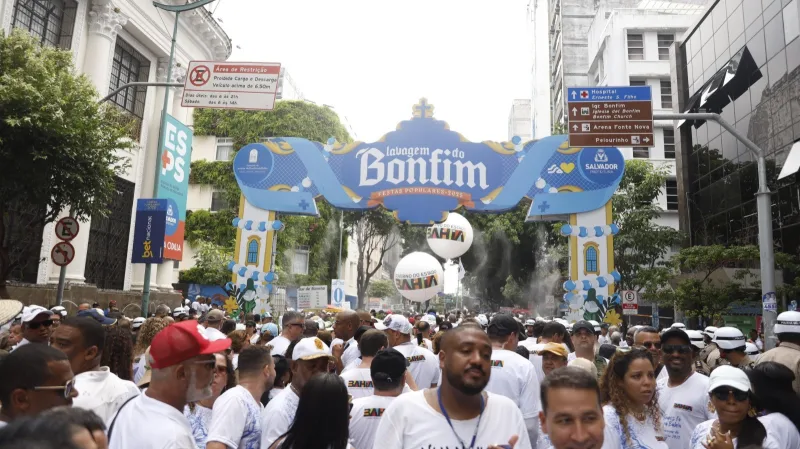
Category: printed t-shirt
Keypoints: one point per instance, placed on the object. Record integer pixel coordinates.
(643, 434)
(199, 420)
(365, 417)
(424, 366)
(683, 408)
(102, 392)
(236, 419)
(514, 377)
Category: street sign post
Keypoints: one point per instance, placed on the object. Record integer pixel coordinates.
(231, 85)
(630, 302)
(337, 292)
(610, 116)
(67, 228)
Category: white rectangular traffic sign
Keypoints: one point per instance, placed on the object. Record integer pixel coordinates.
(231, 85)
(630, 302)
(312, 297)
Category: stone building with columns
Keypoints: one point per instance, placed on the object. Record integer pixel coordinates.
(115, 42)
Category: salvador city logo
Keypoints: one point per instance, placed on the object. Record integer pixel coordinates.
(423, 170)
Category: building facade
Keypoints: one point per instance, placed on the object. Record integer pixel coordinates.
(114, 42)
(519, 120)
(742, 60)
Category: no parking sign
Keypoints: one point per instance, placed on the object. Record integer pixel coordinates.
(630, 302)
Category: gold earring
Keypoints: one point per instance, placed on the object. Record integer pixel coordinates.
(752, 412)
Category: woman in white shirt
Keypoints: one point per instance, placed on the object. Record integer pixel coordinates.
(631, 410)
(776, 403)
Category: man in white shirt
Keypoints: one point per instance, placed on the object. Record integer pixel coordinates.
(36, 326)
(458, 413)
(358, 378)
(236, 416)
(310, 356)
(293, 325)
(387, 371)
(513, 376)
(82, 339)
(680, 395)
(603, 338)
(214, 319)
(424, 366)
(344, 329)
(182, 365)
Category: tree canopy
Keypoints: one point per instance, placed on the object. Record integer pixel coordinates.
(58, 146)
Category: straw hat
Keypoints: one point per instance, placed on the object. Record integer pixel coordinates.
(9, 309)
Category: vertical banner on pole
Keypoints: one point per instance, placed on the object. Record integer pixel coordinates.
(173, 184)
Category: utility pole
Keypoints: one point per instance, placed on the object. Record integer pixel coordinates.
(177, 9)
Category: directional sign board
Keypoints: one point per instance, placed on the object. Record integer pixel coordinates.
(630, 302)
(337, 292)
(231, 85)
(312, 297)
(62, 253)
(610, 116)
(67, 228)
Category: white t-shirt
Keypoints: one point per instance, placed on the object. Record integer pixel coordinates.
(780, 430)
(279, 345)
(515, 378)
(424, 366)
(643, 435)
(662, 375)
(683, 408)
(278, 416)
(603, 339)
(364, 419)
(358, 381)
(139, 368)
(102, 392)
(199, 420)
(351, 352)
(236, 419)
(411, 423)
(146, 423)
(772, 441)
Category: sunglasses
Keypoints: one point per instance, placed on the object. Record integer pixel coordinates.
(221, 369)
(680, 349)
(68, 388)
(652, 344)
(723, 394)
(45, 323)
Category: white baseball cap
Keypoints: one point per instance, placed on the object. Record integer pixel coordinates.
(31, 312)
(397, 322)
(59, 310)
(728, 376)
(530, 322)
(679, 325)
(310, 348)
(729, 338)
(788, 322)
(137, 322)
(696, 337)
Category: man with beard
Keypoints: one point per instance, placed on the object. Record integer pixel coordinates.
(571, 416)
(458, 413)
(682, 405)
(182, 361)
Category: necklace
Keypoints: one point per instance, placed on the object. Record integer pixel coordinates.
(640, 416)
(447, 417)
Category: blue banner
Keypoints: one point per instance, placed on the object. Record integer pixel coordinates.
(423, 170)
(173, 182)
(149, 231)
(601, 93)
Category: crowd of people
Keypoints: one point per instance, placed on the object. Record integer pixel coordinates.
(195, 378)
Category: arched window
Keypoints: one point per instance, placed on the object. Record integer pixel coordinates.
(253, 247)
(590, 259)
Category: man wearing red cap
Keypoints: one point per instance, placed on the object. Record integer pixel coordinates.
(182, 361)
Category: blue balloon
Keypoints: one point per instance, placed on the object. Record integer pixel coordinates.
(615, 299)
(566, 229)
(331, 140)
(615, 274)
(583, 232)
(230, 265)
(269, 277)
(236, 222)
(262, 227)
(277, 225)
(598, 231)
(248, 225)
(601, 282)
(254, 276)
(516, 140)
(569, 285)
(586, 285)
(242, 271)
(269, 288)
(614, 228)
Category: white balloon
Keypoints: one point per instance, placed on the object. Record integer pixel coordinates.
(576, 230)
(419, 277)
(451, 238)
(306, 182)
(540, 183)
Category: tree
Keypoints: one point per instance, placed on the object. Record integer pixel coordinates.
(375, 233)
(210, 267)
(57, 144)
(381, 289)
(642, 244)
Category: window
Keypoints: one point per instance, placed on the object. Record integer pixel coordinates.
(253, 249)
(637, 82)
(666, 94)
(672, 194)
(669, 143)
(635, 47)
(791, 27)
(176, 264)
(51, 21)
(590, 259)
(300, 260)
(129, 66)
(664, 42)
(224, 148)
(641, 152)
(218, 201)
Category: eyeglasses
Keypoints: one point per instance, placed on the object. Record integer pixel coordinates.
(302, 325)
(652, 344)
(68, 388)
(723, 394)
(680, 349)
(37, 325)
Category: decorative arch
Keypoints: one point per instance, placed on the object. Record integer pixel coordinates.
(591, 258)
(253, 250)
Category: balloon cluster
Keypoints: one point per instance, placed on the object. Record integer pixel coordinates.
(582, 231)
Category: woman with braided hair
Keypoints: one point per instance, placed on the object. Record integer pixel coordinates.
(631, 411)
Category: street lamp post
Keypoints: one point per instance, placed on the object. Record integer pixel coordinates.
(177, 9)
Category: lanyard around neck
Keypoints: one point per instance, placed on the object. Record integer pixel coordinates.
(447, 417)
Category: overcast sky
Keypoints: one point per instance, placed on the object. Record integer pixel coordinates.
(373, 59)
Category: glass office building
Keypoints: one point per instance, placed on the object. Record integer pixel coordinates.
(742, 61)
